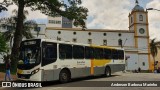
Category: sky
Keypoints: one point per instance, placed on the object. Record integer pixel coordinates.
(108, 14)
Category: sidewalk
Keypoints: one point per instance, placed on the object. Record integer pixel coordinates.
(3, 74)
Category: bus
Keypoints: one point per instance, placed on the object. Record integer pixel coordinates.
(49, 60)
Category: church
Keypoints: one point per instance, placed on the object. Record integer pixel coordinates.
(135, 41)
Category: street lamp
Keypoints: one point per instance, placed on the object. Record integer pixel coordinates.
(156, 10)
(152, 9)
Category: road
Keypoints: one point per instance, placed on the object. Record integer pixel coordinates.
(98, 83)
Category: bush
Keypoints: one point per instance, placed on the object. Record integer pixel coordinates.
(2, 68)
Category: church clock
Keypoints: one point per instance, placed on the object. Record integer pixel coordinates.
(141, 31)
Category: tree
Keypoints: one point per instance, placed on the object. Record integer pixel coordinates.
(3, 45)
(2, 8)
(67, 8)
(10, 24)
(154, 50)
(4, 5)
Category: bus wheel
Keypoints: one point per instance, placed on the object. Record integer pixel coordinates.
(64, 76)
(107, 72)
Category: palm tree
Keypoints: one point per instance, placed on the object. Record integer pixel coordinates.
(3, 45)
(10, 24)
(154, 50)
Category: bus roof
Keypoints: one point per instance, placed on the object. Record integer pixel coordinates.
(73, 43)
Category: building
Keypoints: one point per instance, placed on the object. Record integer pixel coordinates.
(39, 32)
(135, 40)
(60, 22)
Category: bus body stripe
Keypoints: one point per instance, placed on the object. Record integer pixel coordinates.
(95, 63)
(101, 62)
(92, 66)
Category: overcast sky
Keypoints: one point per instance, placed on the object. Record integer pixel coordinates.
(108, 14)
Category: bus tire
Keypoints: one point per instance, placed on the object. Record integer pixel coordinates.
(107, 71)
(64, 76)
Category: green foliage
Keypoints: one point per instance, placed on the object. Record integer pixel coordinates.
(2, 8)
(2, 66)
(4, 5)
(67, 8)
(70, 9)
(2, 69)
(3, 45)
(153, 48)
(10, 24)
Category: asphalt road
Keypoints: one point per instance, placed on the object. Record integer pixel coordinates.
(104, 83)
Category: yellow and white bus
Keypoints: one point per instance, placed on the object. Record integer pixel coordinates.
(50, 60)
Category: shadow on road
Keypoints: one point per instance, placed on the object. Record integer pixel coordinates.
(78, 82)
(73, 81)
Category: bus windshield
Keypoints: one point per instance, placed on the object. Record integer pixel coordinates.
(29, 55)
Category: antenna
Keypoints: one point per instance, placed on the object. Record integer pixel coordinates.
(137, 2)
(124, 42)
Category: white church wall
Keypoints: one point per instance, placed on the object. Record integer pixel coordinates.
(143, 61)
(132, 62)
(142, 44)
(96, 37)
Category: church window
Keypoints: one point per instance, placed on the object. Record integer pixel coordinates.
(59, 32)
(143, 63)
(58, 39)
(140, 18)
(104, 42)
(74, 33)
(131, 19)
(89, 41)
(74, 40)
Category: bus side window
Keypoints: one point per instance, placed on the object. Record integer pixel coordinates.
(114, 54)
(78, 52)
(65, 51)
(98, 52)
(107, 54)
(121, 54)
(89, 53)
(62, 54)
(49, 53)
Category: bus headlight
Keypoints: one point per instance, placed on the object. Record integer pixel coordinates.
(35, 71)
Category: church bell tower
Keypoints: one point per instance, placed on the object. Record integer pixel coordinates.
(138, 23)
